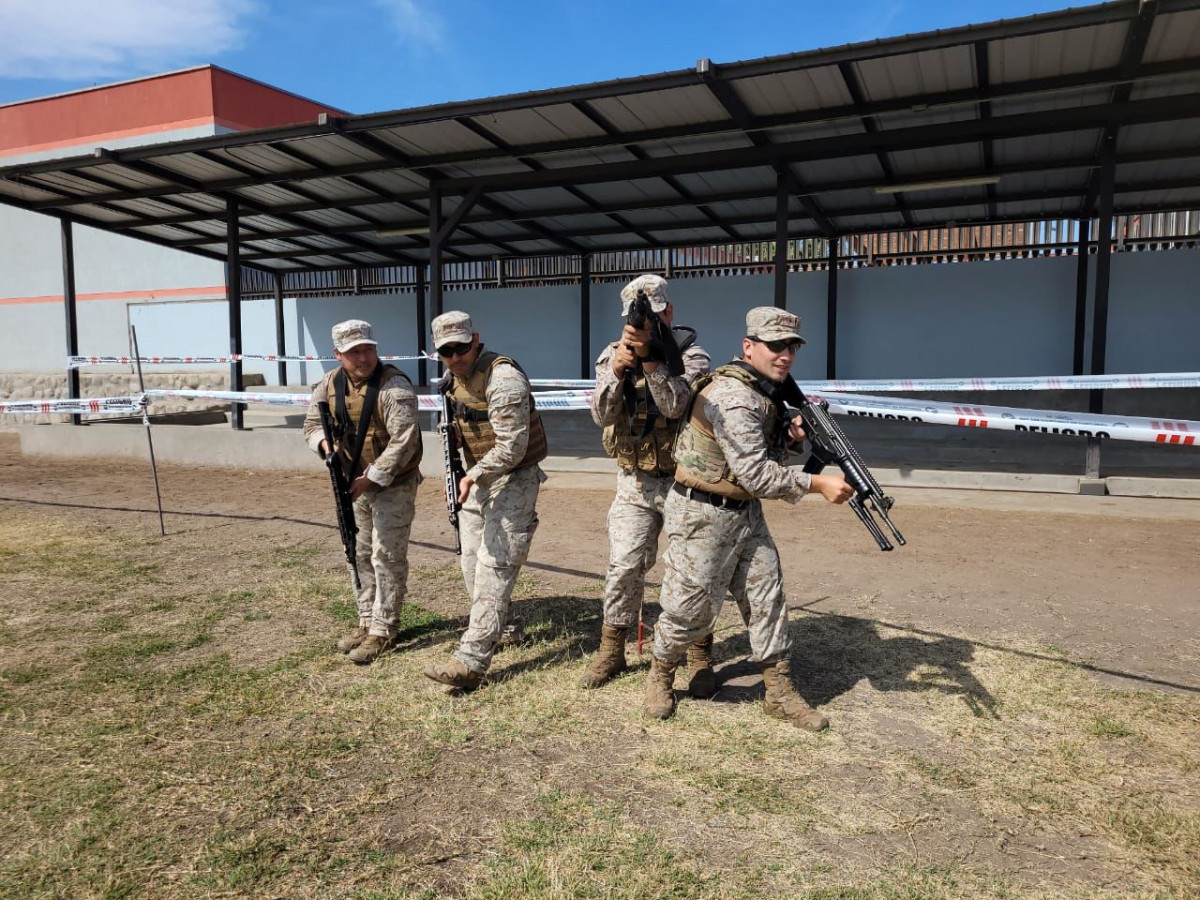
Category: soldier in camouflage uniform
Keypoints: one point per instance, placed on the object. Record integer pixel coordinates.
(730, 455)
(503, 441)
(384, 482)
(638, 404)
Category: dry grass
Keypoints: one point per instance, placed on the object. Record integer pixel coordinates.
(174, 724)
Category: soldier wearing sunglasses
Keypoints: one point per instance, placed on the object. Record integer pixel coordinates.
(638, 404)
(503, 441)
(730, 455)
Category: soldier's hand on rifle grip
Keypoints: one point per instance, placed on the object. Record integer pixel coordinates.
(796, 432)
(360, 484)
(324, 448)
(833, 488)
(464, 488)
(637, 339)
(624, 358)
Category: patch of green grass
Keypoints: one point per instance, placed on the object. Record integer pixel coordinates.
(1106, 726)
(25, 674)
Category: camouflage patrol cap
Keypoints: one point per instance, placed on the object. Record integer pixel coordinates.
(351, 333)
(453, 327)
(654, 287)
(769, 323)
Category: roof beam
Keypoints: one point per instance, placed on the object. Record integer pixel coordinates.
(982, 80)
(850, 79)
(1136, 37)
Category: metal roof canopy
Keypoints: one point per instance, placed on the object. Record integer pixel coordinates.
(1008, 120)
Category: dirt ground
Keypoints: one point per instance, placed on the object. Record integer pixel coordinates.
(992, 592)
(1113, 581)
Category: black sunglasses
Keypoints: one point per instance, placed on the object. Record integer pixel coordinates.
(780, 346)
(451, 350)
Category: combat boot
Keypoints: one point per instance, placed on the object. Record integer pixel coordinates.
(609, 660)
(353, 639)
(512, 635)
(658, 702)
(782, 701)
(368, 651)
(702, 681)
(456, 674)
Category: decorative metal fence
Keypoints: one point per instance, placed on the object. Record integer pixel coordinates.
(916, 246)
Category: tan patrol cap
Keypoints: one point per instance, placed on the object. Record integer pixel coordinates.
(351, 333)
(653, 286)
(770, 323)
(452, 327)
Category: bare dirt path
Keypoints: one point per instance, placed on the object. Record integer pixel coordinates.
(1113, 581)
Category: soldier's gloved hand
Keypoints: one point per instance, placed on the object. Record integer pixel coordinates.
(832, 487)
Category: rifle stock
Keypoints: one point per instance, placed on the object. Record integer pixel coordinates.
(347, 527)
(830, 445)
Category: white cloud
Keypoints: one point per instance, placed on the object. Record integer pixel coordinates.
(416, 25)
(74, 39)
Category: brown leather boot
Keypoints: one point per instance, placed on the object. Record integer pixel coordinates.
(658, 702)
(353, 639)
(454, 673)
(702, 681)
(609, 660)
(782, 701)
(368, 651)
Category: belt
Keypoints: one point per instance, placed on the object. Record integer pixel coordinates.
(718, 500)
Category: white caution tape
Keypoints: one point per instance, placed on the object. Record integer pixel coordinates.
(1022, 383)
(1031, 383)
(75, 362)
(83, 405)
(1128, 428)
(425, 402)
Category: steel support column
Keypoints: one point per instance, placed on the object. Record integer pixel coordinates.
(1103, 267)
(781, 237)
(585, 316)
(280, 343)
(831, 309)
(68, 264)
(435, 252)
(422, 365)
(1081, 286)
(233, 294)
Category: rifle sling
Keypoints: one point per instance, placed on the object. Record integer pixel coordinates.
(368, 410)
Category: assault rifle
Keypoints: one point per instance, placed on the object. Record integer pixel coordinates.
(830, 445)
(454, 467)
(347, 527)
(664, 348)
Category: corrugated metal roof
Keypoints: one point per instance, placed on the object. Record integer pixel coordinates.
(692, 155)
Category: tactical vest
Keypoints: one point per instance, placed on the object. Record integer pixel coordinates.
(469, 396)
(636, 446)
(699, 460)
(376, 440)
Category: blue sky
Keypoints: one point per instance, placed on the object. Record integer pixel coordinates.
(373, 55)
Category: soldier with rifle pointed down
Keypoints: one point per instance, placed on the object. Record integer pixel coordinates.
(491, 409)
(731, 454)
(642, 384)
(370, 413)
